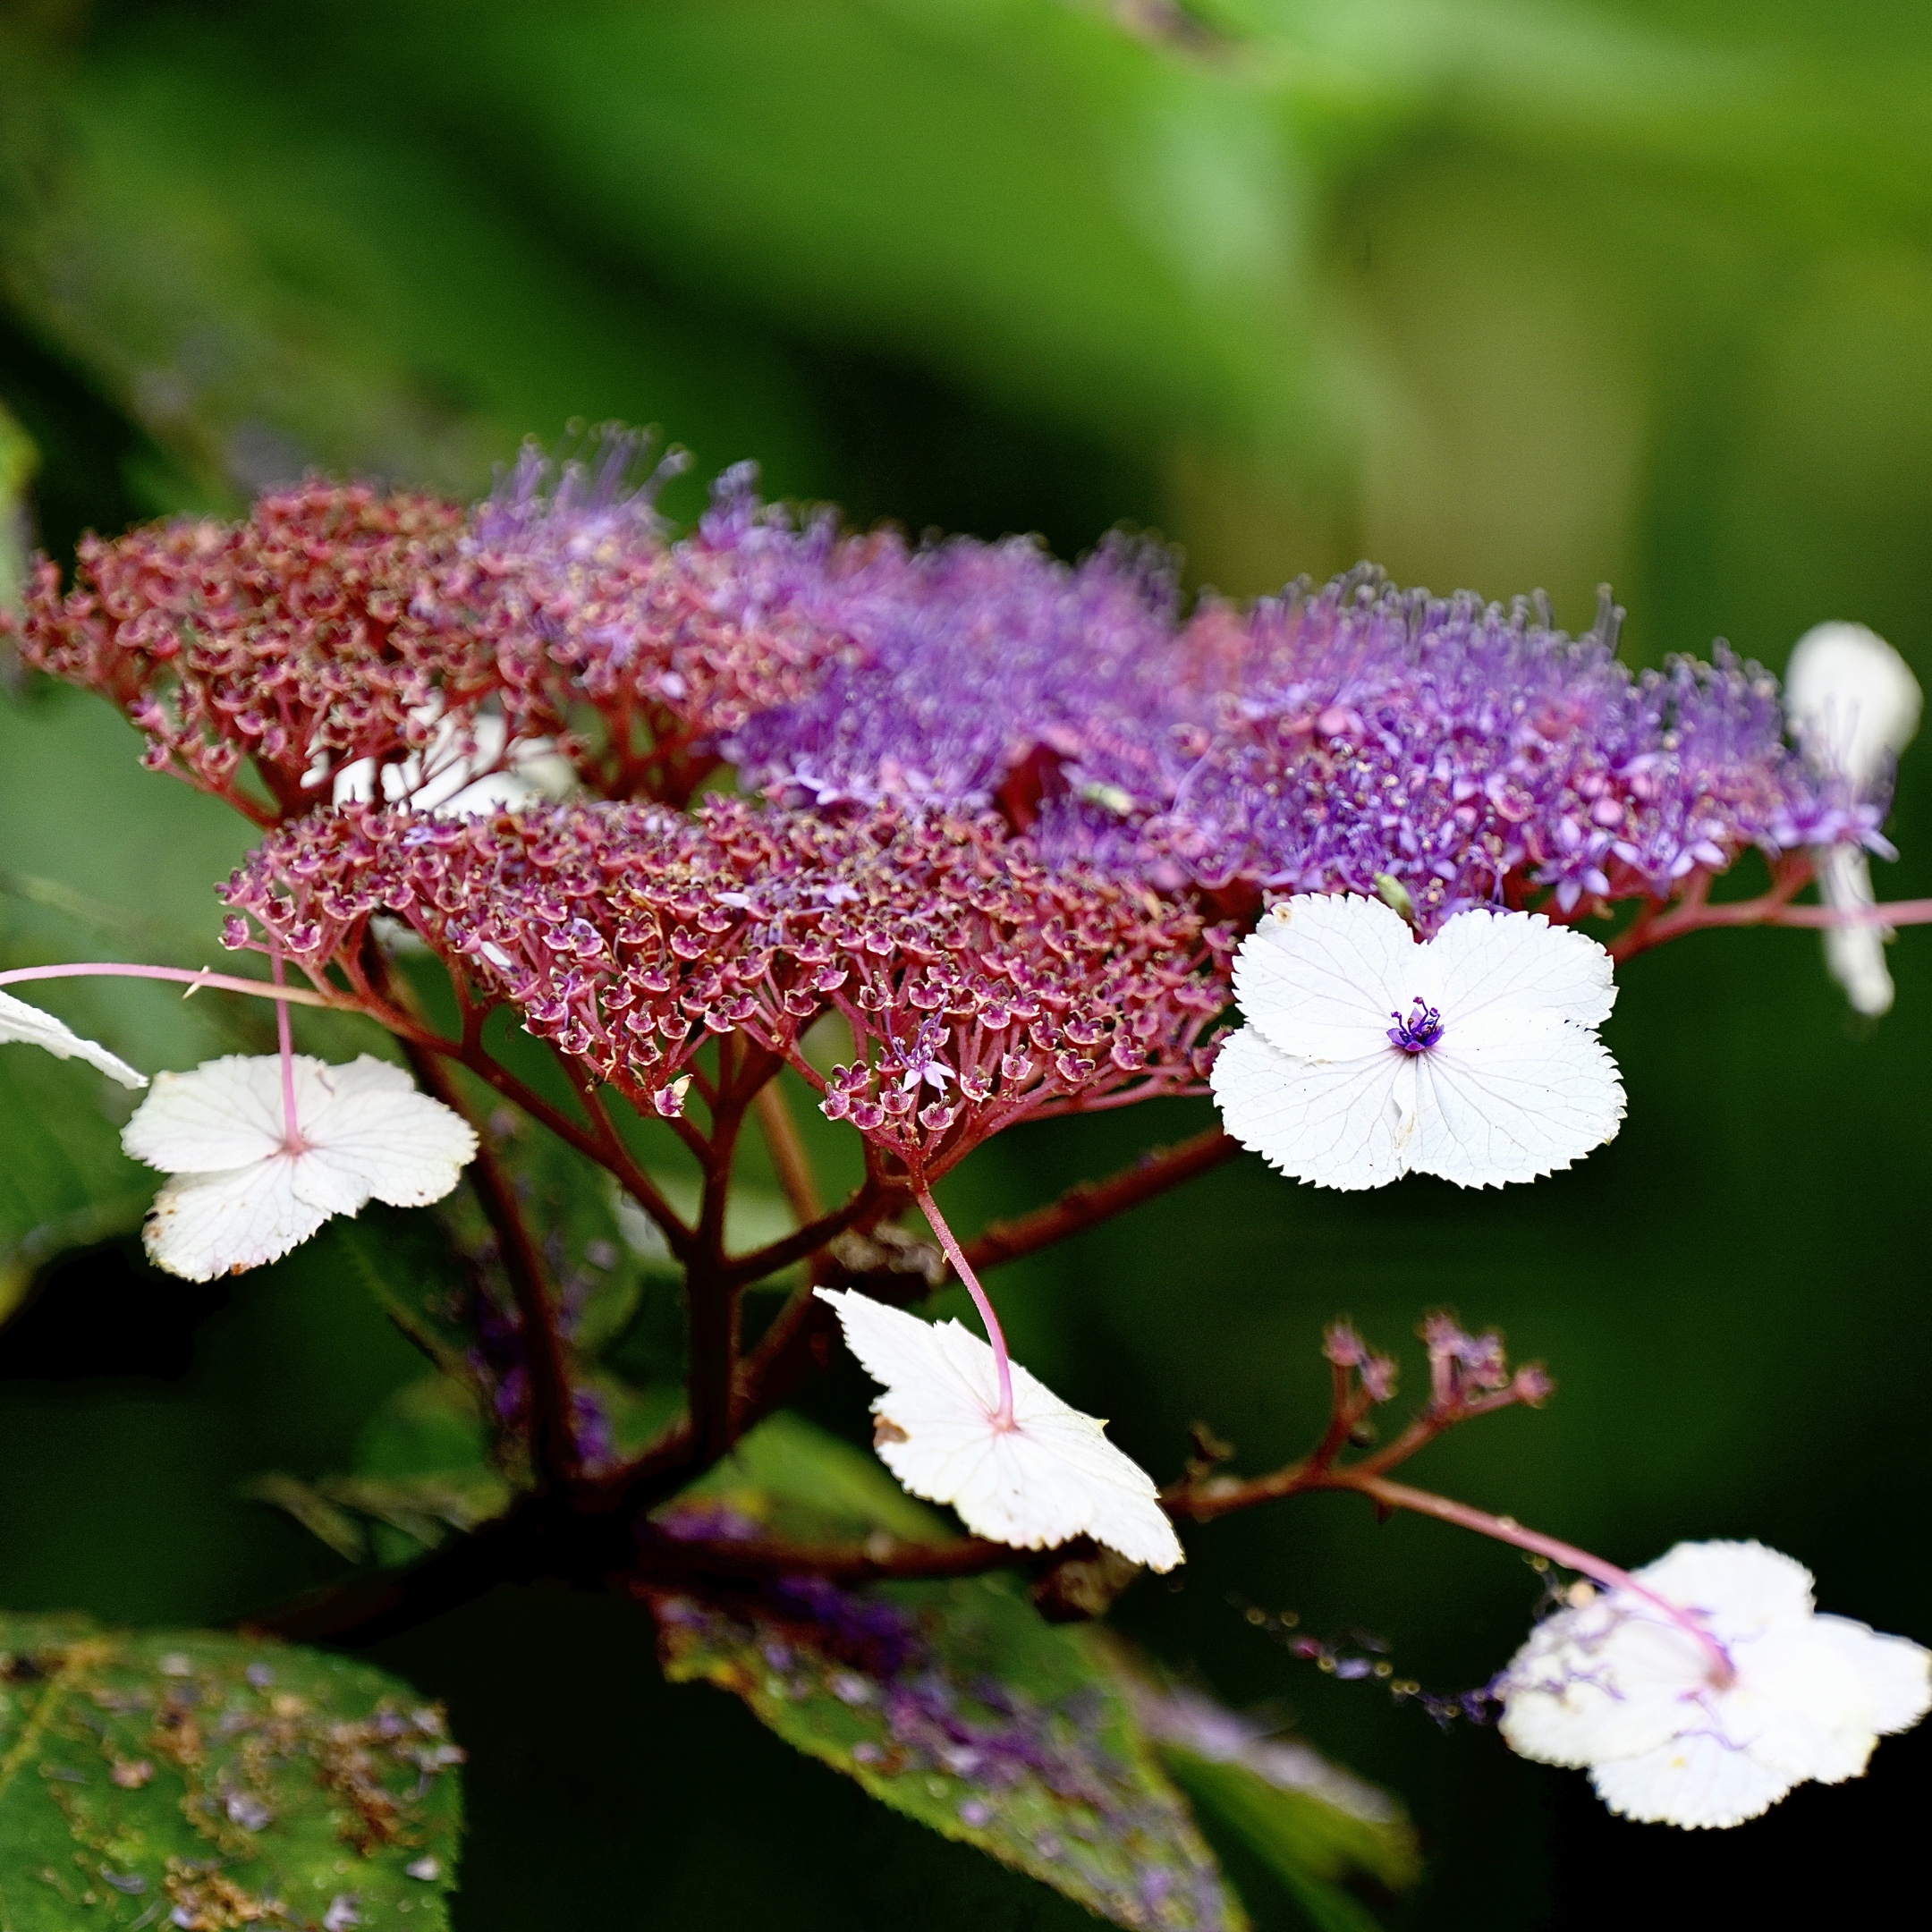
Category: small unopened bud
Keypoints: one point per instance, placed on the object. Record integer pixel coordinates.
(1342, 1346)
(1534, 1385)
(1378, 1377)
(1394, 894)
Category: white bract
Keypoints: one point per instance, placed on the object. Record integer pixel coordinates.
(1050, 1477)
(1853, 705)
(1367, 1055)
(1612, 1685)
(476, 768)
(242, 1196)
(32, 1028)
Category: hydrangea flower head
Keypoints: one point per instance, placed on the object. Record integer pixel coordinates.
(245, 1193)
(1368, 1055)
(1612, 1684)
(318, 632)
(1474, 755)
(31, 1027)
(667, 645)
(1853, 705)
(1049, 1477)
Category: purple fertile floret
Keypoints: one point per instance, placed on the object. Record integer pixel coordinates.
(970, 659)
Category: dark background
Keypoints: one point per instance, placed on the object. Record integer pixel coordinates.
(1498, 296)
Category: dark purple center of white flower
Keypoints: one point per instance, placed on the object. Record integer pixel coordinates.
(1419, 1030)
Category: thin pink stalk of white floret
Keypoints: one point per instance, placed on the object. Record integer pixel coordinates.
(1003, 1419)
(291, 1133)
(1507, 1529)
(193, 979)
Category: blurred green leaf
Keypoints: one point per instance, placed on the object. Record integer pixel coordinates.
(791, 1476)
(263, 288)
(1029, 198)
(17, 461)
(955, 1704)
(64, 1182)
(1310, 1844)
(405, 1260)
(208, 1781)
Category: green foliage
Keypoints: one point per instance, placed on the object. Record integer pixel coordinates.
(1310, 1841)
(212, 1782)
(791, 1477)
(957, 1705)
(19, 459)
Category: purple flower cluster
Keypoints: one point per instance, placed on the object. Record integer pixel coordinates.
(1339, 739)
(655, 650)
(974, 672)
(1471, 754)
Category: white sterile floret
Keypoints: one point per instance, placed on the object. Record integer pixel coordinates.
(1367, 1055)
(1051, 1477)
(32, 1028)
(241, 1196)
(1853, 705)
(478, 767)
(1613, 1685)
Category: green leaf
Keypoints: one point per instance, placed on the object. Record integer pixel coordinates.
(17, 461)
(264, 286)
(1310, 1844)
(1317, 1827)
(955, 1704)
(203, 1780)
(64, 1182)
(405, 1260)
(794, 1477)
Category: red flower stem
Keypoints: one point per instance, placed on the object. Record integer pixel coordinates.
(713, 1293)
(193, 980)
(929, 1207)
(1507, 1529)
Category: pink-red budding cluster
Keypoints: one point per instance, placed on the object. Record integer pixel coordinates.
(318, 632)
(978, 985)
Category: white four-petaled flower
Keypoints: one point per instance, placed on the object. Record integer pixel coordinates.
(1853, 705)
(31, 1026)
(242, 1195)
(1367, 1055)
(1050, 1477)
(1612, 1685)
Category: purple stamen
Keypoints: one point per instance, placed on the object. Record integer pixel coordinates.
(1420, 1031)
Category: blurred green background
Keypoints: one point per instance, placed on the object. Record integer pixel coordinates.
(1500, 295)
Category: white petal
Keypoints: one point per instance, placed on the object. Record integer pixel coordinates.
(1488, 963)
(1345, 1123)
(1854, 955)
(1322, 973)
(371, 1125)
(1601, 1683)
(225, 1114)
(1895, 1672)
(206, 1224)
(1740, 1588)
(1802, 1704)
(33, 1028)
(1498, 1102)
(1053, 1477)
(1852, 699)
(1698, 1781)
